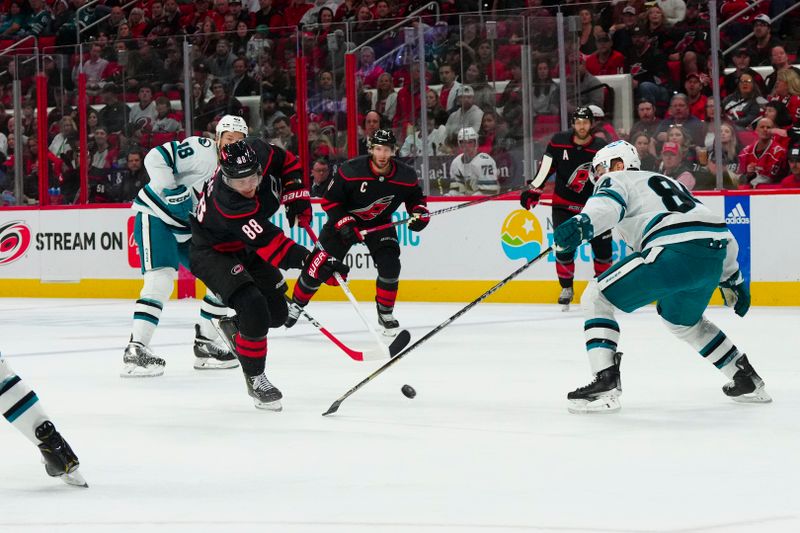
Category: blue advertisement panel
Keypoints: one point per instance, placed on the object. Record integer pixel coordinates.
(737, 217)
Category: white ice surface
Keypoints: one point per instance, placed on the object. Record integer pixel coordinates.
(487, 445)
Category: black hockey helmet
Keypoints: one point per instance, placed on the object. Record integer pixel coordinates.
(583, 112)
(384, 137)
(238, 160)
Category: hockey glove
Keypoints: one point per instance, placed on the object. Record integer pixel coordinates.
(298, 207)
(321, 266)
(348, 230)
(736, 294)
(420, 218)
(530, 197)
(569, 235)
(179, 202)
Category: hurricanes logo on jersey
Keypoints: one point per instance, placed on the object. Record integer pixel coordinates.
(374, 209)
(15, 237)
(579, 177)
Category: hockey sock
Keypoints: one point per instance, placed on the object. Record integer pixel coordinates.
(305, 289)
(158, 286)
(600, 328)
(711, 343)
(565, 270)
(210, 308)
(386, 293)
(252, 354)
(146, 314)
(19, 404)
(601, 265)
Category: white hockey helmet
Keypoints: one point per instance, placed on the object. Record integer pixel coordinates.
(467, 134)
(231, 123)
(616, 150)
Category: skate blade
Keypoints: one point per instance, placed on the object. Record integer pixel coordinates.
(75, 479)
(392, 333)
(760, 395)
(134, 371)
(564, 308)
(208, 363)
(602, 405)
(275, 406)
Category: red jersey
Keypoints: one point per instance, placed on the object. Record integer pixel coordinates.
(769, 162)
(615, 64)
(791, 182)
(698, 108)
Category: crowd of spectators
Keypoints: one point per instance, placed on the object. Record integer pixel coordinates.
(246, 51)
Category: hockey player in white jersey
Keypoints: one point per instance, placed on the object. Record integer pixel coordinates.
(21, 407)
(472, 172)
(682, 253)
(177, 171)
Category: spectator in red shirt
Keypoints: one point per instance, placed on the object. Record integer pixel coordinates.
(605, 60)
(792, 181)
(697, 100)
(787, 91)
(764, 162)
(294, 11)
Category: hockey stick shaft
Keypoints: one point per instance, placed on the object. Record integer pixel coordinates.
(354, 354)
(335, 405)
(442, 211)
(349, 294)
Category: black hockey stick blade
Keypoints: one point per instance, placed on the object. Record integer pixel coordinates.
(399, 342)
(335, 405)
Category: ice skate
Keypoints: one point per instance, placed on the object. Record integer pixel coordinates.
(566, 297)
(601, 395)
(387, 321)
(59, 459)
(265, 395)
(294, 313)
(140, 362)
(211, 355)
(746, 386)
(227, 327)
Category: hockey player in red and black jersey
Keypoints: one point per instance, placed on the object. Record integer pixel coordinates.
(572, 152)
(237, 252)
(364, 194)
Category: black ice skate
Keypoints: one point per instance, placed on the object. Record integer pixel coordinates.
(227, 327)
(140, 362)
(566, 297)
(746, 386)
(601, 395)
(386, 320)
(294, 313)
(265, 395)
(59, 459)
(210, 355)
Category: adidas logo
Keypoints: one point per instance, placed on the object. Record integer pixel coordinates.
(737, 215)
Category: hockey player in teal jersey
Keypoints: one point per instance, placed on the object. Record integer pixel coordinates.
(21, 407)
(682, 253)
(177, 172)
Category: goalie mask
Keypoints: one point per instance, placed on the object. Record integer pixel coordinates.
(603, 159)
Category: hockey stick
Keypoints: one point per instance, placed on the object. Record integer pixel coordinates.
(335, 405)
(355, 355)
(544, 169)
(401, 340)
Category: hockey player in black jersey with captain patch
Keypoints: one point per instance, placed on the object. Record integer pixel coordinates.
(364, 194)
(572, 152)
(237, 252)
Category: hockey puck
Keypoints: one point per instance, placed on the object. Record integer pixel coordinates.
(408, 391)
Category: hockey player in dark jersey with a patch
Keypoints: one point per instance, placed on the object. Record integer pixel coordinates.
(364, 194)
(572, 152)
(237, 252)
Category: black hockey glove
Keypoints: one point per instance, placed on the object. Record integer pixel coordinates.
(530, 197)
(320, 265)
(348, 230)
(298, 207)
(421, 218)
(736, 294)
